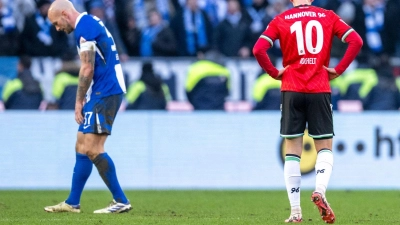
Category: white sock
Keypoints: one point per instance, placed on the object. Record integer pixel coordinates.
(292, 176)
(323, 170)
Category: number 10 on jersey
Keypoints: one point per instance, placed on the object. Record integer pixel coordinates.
(297, 28)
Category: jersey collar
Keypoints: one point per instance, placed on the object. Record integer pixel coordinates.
(303, 5)
(79, 18)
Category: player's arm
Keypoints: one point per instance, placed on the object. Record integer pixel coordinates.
(352, 38)
(87, 56)
(265, 42)
(260, 53)
(355, 43)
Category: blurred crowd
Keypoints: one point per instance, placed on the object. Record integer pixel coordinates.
(188, 27)
(191, 28)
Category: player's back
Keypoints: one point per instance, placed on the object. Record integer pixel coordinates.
(108, 77)
(305, 34)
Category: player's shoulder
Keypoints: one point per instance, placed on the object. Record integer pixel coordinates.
(87, 26)
(86, 21)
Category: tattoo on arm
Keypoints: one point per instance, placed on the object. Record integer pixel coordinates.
(87, 57)
(83, 86)
(85, 74)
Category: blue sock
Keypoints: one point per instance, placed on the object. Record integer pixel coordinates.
(107, 171)
(83, 168)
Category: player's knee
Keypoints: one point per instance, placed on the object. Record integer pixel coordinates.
(92, 154)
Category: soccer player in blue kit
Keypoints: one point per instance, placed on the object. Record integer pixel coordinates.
(99, 95)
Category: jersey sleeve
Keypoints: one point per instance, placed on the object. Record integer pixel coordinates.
(89, 30)
(271, 33)
(264, 42)
(348, 35)
(340, 28)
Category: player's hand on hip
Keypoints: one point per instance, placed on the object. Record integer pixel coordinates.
(78, 112)
(331, 72)
(281, 71)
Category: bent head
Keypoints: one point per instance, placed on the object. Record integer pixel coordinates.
(62, 15)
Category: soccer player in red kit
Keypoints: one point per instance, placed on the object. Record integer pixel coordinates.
(305, 33)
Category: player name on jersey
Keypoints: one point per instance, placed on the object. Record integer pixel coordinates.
(308, 60)
(303, 14)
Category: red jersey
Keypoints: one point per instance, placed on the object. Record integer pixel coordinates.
(305, 33)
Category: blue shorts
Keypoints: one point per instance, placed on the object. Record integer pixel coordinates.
(99, 114)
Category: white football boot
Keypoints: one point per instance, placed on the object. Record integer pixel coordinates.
(62, 207)
(115, 207)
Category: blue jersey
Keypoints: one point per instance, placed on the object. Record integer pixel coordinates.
(108, 78)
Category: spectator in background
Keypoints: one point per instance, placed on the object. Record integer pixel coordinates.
(246, 3)
(385, 94)
(346, 9)
(214, 9)
(256, 14)
(207, 82)
(157, 39)
(38, 35)
(125, 14)
(320, 3)
(336, 4)
(9, 33)
(391, 28)
(131, 36)
(267, 93)
(149, 93)
(369, 21)
(140, 9)
(21, 8)
(192, 29)
(211, 8)
(274, 8)
(65, 86)
(232, 36)
(106, 14)
(23, 92)
(80, 4)
(165, 9)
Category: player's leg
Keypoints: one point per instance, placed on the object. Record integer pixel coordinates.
(321, 129)
(292, 175)
(323, 170)
(95, 150)
(100, 118)
(320, 125)
(292, 129)
(324, 164)
(82, 170)
(94, 144)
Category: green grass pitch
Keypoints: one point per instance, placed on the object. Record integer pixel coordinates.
(198, 207)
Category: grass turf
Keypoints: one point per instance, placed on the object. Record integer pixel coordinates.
(200, 207)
